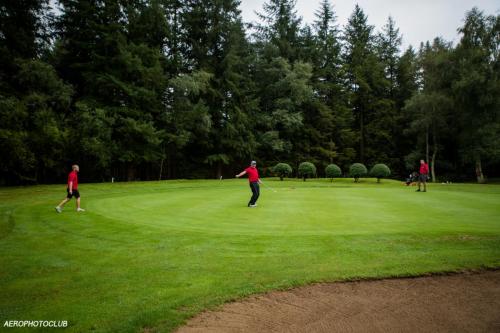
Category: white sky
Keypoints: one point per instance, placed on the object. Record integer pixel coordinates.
(417, 20)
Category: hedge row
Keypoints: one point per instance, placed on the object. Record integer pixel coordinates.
(356, 171)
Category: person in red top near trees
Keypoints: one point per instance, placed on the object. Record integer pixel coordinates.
(424, 173)
(72, 190)
(253, 178)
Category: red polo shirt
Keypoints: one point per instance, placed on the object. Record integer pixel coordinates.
(253, 174)
(424, 169)
(73, 177)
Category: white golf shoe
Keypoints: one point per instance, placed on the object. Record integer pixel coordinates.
(58, 209)
(80, 210)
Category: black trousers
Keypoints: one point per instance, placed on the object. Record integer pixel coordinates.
(255, 193)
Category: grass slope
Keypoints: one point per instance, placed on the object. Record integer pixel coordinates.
(146, 256)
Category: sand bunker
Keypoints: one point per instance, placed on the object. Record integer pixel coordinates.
(468, 302)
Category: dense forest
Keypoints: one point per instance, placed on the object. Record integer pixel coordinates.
(162, 89)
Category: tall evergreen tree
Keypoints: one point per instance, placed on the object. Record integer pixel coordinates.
(115, 73)
(32, 97)
(407, 70)
(430, 109)
(185, 121)
(388, 45)
(477, 89)
(147, 23)
(389, 42)
(367, 85)
(281, 27)
(284, 92)
(334, 123)
(406, 74)
(218, 46)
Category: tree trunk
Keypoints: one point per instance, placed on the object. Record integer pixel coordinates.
(281, 178)
(161, 168)
(433, 171)
(479, 171)
(219, 169)
(169, 153)
(427, 144)
(130, 172)
(169, 169)
(362, 138)
(433, 161)
(331, 145)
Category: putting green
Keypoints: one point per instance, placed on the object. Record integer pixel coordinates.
(149, 255)
(303, 209)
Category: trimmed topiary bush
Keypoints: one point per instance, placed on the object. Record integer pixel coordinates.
(307, 169)
(380, 171)
(357, 170)
(282, 170)
(333, 171)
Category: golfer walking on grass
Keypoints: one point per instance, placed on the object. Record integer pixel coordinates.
(253, 178)
(424, 173)
(72, 190)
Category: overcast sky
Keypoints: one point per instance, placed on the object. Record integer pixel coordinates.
(418, 20)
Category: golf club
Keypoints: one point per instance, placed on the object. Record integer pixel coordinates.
(272, 189)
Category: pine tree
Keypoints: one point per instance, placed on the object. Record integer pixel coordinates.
(334, 119)
(218, 46)
(406, 86)
(281, 27)
(388, 45)
(147, 23)
(367, 85)
(406, 77)
(32, 98)
(115, 73)
(284, 91)
(430, 108)
(389, 42)
(477, 89)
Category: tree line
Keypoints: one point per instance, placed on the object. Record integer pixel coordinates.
(162, 89)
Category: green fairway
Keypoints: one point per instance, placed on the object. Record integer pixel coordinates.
(149, 255)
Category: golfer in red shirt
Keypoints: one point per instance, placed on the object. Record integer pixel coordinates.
(72, 190)
(253, 178)
(424, 174)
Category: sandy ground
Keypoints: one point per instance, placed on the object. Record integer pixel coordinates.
(468, 302)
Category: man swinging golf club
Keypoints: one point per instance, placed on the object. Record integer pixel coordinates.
(72, 190)
(253, 178)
